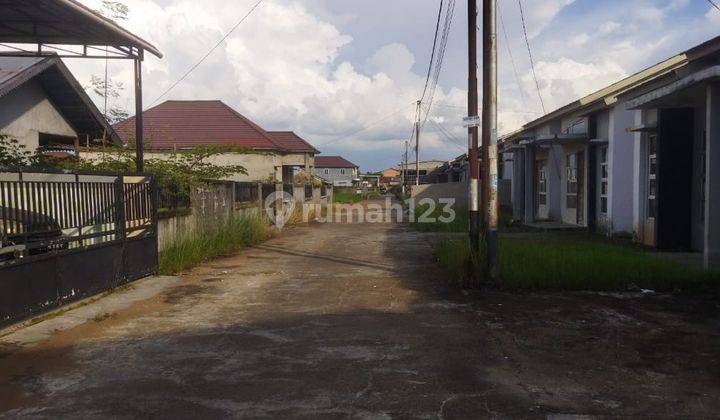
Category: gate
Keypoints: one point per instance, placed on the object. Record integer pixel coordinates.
(67, 236)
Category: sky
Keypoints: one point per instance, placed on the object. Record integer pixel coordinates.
(345, 74)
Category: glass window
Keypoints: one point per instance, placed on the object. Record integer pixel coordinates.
(572, 181)
(604, 180)
(652, 184)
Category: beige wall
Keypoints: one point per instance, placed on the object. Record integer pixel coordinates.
(454, 190)
(26, 111)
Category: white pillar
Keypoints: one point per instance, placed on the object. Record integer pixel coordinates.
(712, 174)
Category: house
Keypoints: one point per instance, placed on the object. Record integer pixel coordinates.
(370, 180)
(426, 166)
(336, 170)
(390, 177)
(639, 157)
(44, 107)
(183, 125)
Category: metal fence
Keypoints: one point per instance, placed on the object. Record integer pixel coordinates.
(267, 190)
(246, 192)
(289, 189)
(65, 236)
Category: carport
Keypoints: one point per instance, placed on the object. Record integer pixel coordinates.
(67, 29)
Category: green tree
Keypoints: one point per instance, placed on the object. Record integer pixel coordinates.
(13, 154)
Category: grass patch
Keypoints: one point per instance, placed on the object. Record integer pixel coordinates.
(205, 244)
(553, 265)
(459, 224)
(348, 198)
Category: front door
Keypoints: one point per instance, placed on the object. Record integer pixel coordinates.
(541, 188)
(651, 190)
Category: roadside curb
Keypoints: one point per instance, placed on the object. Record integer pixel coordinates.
(38, 329)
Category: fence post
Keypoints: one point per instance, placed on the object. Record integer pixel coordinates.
(120, 207)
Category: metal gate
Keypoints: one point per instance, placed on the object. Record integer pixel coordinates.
(66, 236)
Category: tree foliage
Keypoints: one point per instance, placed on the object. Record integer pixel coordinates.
(13, 154)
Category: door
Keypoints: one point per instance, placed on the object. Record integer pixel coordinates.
(651, 190)
(541, 188)
(572, 189)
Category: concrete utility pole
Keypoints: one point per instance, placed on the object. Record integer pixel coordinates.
(489, 136)
(404, 167)
(473, 194)
(417, 144)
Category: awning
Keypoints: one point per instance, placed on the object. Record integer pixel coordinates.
(53, 24)
(647, 99)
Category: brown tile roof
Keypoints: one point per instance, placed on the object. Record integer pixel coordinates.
(186, 124)
(292, 142)
(333, 162)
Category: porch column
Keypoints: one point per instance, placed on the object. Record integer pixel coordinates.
(518, 184)
(529, 155)
(712, 176)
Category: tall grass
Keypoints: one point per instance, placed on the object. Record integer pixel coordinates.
(348, 198)
(459, 223)
(204, 244)
(548, 265)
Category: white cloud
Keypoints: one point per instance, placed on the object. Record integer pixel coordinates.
(609, 27)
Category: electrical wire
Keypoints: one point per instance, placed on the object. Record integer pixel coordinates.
(432, 54)
(367, 127)
(715, 5)
(512, 58)
(532, 62)
(449, 14)
(215, 47)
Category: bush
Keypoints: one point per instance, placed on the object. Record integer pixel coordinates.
(220, 239)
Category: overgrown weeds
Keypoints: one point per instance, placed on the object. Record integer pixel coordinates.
(205, 243)
(554, 265)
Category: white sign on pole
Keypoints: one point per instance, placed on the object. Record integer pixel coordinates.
(471, 122)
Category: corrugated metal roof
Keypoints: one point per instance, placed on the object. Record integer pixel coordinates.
(63, 22)
(291, 142)
(186, 124)
(333, 162)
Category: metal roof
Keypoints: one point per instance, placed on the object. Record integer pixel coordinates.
(65, 22)
(291, 142)
(187, 124)
(333, 162)
(62, 89)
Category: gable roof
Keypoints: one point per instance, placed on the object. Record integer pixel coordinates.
(291, 142)
(61, 87)
(63, 22)
(333, 162)
(609, 94)
(186, 124)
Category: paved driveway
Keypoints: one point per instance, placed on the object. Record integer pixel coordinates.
(349, 320)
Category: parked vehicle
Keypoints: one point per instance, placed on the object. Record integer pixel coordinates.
(25, 233)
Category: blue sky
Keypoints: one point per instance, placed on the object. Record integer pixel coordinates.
(329, 68)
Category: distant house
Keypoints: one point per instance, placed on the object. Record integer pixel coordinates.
(336, 170)
(390, 177)
(426, 167)
(43, 106)
(183, 125)
(370, 180)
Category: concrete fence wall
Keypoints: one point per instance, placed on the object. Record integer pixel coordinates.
(452, 190)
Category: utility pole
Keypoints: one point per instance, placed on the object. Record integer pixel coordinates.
(417, 143)
(404, 167)
(473, 194)
(489, 136)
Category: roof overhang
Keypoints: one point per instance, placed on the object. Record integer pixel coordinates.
(561, 138)
(65, 27)
(652, 98)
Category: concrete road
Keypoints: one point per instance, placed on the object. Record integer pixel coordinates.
(355, 321)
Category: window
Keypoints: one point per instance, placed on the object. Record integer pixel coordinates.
(342, 171)
(542, 182)
(652, 185)
(572, 182)
(327, 171)
(604, 175)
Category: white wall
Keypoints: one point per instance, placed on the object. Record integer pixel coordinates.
(26, 111)
(621, 162)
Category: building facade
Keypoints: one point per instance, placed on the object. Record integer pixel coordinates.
(638, 158)
(337, 170)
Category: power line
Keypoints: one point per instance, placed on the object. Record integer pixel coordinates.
(449, 14)
(367, 127)
(715, 5)
(432, 54)
(512, 59)
(532, 62)
(196, 65)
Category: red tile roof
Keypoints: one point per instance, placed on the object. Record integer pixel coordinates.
(292, 142)
(186, 124)
(333, 162)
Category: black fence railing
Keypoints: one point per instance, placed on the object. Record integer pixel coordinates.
(289, 189)
(246, 192)
(308, 192)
